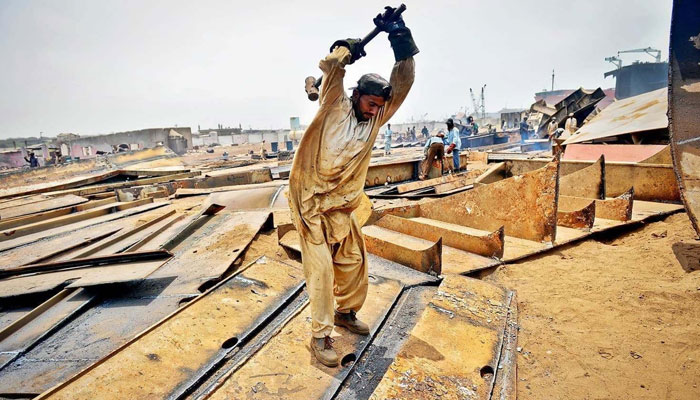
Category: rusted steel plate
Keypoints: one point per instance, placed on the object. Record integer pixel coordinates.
(661, 157)
(213, 249)
(488, 245)
(24, 230)
(70, 228)
(83, 191)
(200, 192)
(634, 153)
(175, 353)
(525, 205)
(22, 200)
(618, 209)
(579, 219)
(46, 215)
(454, 349)
(651, 182)
(379, 174)
(407, 187)
(285, 368)
(40, 206)
(684, 103)
(82, 277)
(587, 182)
(251, 199)
(419, 254)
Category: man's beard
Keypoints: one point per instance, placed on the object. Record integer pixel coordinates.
(358, 113)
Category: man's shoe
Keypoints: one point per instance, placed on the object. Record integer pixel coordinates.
(323, 350)
(351, 323)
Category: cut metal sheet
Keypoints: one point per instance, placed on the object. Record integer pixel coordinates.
(637, 114)
(24, 230)
(456, 184)
(489, 245)
(684, 98)
(618, 209)
(419, 254)
(69, 183)
(40, 206)
(455, 348)
(379, 174)
(47, 215)
(505, 385)
(285, 368)
(587, 182)
(172, 355)
(525, 205)
(580, 219)
(252, 199)
(65, 229)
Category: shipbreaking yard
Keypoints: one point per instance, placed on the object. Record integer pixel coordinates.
(165, 263)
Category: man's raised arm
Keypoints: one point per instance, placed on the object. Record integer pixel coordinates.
(333, 67)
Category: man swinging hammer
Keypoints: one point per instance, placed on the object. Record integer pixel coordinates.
(328, 176)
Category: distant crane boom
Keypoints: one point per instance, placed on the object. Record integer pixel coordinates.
(648, 50)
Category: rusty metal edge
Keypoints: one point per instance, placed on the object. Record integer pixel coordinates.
(579, 219)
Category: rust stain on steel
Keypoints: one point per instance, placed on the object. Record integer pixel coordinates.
(379, 174)
(454, 350)
(46, 215)
(618, 209)
(525, 205)
(37, 207)
(505, 386)
(490, 245)
(587, 182)
(580, 219)
(419, 254)
(173, 354)
(684, 103)
(285, 368)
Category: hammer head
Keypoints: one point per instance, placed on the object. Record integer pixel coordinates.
(311, 88)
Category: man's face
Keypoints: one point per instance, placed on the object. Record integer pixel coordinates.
(367, 106)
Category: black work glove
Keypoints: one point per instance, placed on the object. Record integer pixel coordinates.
(399, 35)
(357, 50)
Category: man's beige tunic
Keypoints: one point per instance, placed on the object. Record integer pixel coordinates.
(326, 185)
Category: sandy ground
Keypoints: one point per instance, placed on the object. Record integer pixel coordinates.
(611, 319)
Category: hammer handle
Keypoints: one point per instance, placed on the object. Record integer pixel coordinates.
(368, 38)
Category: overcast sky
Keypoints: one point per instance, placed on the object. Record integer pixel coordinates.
(101, 66)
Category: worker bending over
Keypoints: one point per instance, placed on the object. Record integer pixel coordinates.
(327, 180)
(434, 149)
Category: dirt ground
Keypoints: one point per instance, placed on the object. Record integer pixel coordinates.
(611, 318)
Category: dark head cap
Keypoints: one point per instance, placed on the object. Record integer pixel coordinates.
(450, 122)
(374, 85)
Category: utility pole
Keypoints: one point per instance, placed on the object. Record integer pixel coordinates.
(552, 79)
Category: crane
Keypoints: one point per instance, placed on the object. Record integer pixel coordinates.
(648, 50)
(480, 106)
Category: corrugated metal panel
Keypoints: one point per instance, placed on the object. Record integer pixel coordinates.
(635, 114)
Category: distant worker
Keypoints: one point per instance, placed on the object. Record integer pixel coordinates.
(434, 149)
(475, 128)
(327, 179)
(387, 140)
(263, 151)
(453, 143)
(524, 130)
(571, 125)
(32, 160)
(552, 127)
(425, 132)
(413, 134)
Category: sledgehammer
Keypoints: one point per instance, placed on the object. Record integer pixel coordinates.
(390, 15)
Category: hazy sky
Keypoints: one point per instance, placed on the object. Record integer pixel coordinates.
(100, 66)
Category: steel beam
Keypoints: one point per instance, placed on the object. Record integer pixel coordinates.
(46, 215)
(490, 245)
(419, 254)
